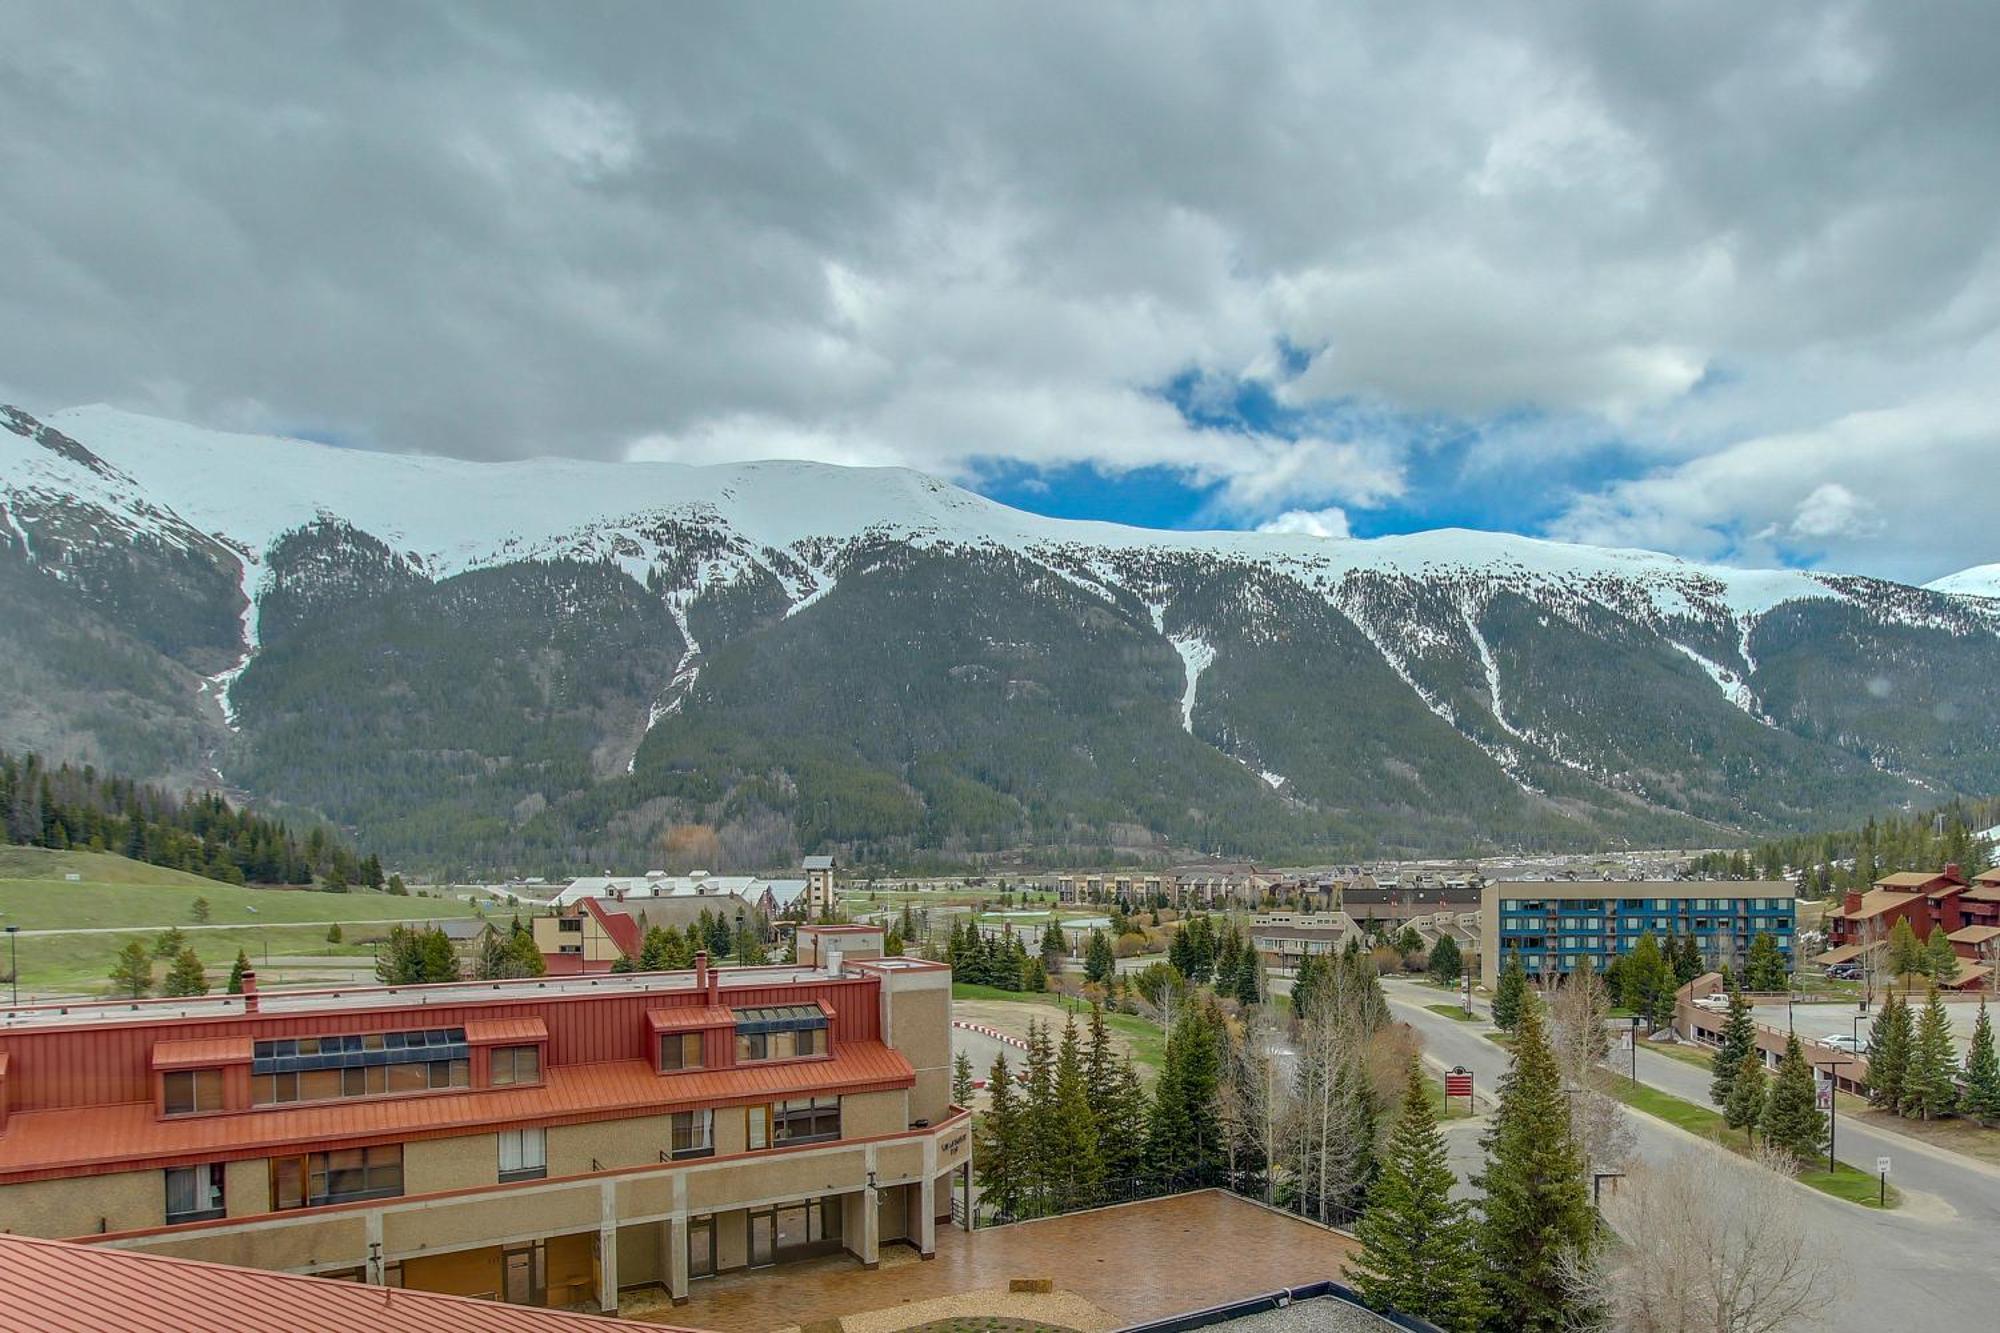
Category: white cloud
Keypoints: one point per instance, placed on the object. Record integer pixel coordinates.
(1329, 522)
(1727, 241)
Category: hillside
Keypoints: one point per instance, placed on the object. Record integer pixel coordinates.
(553, 664)
(72, 930)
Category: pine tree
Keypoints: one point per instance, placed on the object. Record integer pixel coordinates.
(1688, 962)
(1098, 961)
(1447, 963)
(1765, 969)
(1743, 1107)
(1982, 1072)
(132, 974)
(1042, 1143)
(169, 943)
(1537, 1219)
(1416, 1240)
(1739, 1040)
(1940, 960)
(1647, 981)
(333, 933)
(997, 1160)
(1906, 951)
(1079, 1171)
(1889, 1042)
(961, 1080)
(1245, 980)
(1509, 996)
(1100, 1070)
(1930, 1087)
(1123, 1134)
(236, 971)
(185, 977)
(1792, 1122)
(200, 911)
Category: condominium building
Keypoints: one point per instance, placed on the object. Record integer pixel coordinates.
(545, 1142)
(1555, 925)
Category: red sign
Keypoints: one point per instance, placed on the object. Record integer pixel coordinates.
(1457, 1085)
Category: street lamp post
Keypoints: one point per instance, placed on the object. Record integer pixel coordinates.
(14, 963)
(1634, 1034)
(1833, 1104)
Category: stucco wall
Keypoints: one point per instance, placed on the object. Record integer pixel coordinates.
(85, 1205)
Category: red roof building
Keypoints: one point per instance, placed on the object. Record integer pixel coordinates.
(543, 1141)
(1968, 912)
(53, 1284)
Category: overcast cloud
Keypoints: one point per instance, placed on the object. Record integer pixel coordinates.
(1725, 275)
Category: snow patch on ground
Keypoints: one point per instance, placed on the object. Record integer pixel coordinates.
(685, 673)
(1734, 688)
(1197, 655)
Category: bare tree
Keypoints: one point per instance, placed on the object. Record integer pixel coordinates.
(1709, 1247)
(1255, 1099)
(1578, 1013)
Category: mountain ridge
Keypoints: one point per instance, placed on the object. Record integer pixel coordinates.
(1490, 686)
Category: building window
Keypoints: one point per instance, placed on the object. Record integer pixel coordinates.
(318, 1085)
(694, 1134)
(780, 1032)
(680, 1050)
(515, 1065)
(805, 1120)
(194, 1193)
(313, 1069)
(341, 1176)
(524, 1154)
(191, 1091)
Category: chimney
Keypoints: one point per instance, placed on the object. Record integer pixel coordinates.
(1851, 903)
(249, 991)
(715, 985)
(701, 970)
(1954, 874)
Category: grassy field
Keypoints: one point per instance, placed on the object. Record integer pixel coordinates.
(1457, 1012)
(1843, 1183)
(1145, 1039)
(123, 900)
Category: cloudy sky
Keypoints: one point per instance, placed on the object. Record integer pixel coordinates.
(1720, 279)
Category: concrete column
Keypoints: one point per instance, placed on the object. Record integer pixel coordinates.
(607, 1248)
(676, 1266)
(871, 1228)
(926, 1237)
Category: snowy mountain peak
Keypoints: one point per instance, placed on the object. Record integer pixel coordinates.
(452, 514)
(1979, 581)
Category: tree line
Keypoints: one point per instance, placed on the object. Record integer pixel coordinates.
(68, 806)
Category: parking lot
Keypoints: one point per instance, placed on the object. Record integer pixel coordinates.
(1815, 1022)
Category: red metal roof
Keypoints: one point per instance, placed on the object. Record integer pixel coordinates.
(56, 1285)
(691, 1019)
(96, 1139)
(623, 930)
(201, 1052)
(492, 1031)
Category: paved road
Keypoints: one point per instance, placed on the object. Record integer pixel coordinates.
(1927, 1265)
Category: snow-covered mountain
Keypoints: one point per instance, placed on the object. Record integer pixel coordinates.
(1979, 581)
(560, 658)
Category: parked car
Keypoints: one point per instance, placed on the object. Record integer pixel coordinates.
(1844, 972)
(1715, 1002)
(1841, 1041)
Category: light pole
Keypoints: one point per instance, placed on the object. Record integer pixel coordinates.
(1833, 1104)
(14, 963)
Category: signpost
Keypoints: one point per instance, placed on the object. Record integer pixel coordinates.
(1458, 1083)
(1882, 1181)
(1465, 989)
